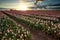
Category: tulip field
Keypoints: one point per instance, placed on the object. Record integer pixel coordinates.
(12, 31)
(36, 21)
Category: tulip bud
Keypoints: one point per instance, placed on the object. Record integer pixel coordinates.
(20, 36)
(25, 35)
(0, 32)
(24, 32)
(6, 34)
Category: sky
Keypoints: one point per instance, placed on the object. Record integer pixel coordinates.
(16, 3)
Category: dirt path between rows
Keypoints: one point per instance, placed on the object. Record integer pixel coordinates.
(35, 34)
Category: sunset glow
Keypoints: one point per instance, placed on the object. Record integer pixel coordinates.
(23, 7)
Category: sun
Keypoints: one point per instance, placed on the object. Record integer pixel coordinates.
(23, 7)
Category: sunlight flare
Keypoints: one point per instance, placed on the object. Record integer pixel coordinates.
(22, 7)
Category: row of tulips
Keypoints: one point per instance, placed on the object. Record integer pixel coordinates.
(49, 27)
(9, 30)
